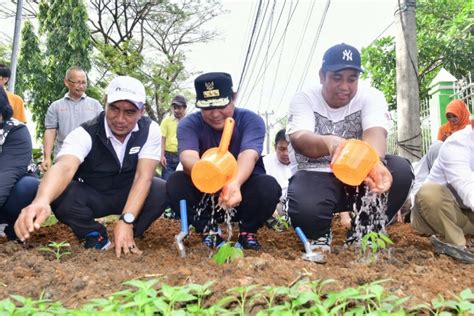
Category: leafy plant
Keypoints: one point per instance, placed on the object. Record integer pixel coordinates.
(227, 253)
(463, 305)
(57, 248)
(244, 294)
(303, 298)
(50, 221)
(375, 242)
(283, 222)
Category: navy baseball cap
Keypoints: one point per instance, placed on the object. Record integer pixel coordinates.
(179, 100)
(213, 90)
(341, 56)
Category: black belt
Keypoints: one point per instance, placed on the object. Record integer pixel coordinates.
(171, 153)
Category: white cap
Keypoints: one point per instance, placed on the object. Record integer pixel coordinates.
(128, 89)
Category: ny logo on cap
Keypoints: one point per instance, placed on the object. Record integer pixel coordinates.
(347, 55)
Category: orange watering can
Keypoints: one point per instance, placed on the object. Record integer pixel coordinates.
(217, 165)
(354, 162)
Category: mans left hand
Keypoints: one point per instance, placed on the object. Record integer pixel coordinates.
(123, 238)
(379, 179)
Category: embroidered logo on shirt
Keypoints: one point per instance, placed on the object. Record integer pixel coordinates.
(347, 55)
(134, 150)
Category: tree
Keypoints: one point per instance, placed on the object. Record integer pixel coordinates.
(68, 43)
(31, 75)
(145, 39)
(123, 29)
(4, 57)
(445, 38)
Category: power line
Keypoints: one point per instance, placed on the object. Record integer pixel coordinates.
(254, 45)
(313, 47)
(381, 33)
(278, 44)
(250, 44)
(300, 43)
(265, 59)
(248, 78)
(278, 62)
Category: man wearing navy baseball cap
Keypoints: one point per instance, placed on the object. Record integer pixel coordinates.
(106, 166)
(320, 119)
(252, 193)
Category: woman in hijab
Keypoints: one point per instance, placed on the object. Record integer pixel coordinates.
(17, 187)
(458, 117)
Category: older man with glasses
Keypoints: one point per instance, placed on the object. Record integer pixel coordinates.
(67, 113)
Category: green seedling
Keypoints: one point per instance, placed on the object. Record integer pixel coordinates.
(58, 249)
(151, 297)
(227, 253)
(282, 222)
(372, 243)
(50, 221)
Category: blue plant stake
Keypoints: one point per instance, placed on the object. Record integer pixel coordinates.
(184, 228)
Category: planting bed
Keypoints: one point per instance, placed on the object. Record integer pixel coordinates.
(85, 274)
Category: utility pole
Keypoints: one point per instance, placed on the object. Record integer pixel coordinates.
(16, 45)
(408, 105)
(267, 128)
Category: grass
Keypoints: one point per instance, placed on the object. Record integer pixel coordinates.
(152, 297)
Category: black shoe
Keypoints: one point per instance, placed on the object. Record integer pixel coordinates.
(248, 241)
(94, 240)
(10, 232)
(274, 224)
(213, 240)
(460, 253)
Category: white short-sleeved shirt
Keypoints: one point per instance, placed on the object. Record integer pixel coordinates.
(310, 112)
(455, 165)
(79, 143)
(279, 171)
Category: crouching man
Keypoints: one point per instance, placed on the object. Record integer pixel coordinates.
(106, 166)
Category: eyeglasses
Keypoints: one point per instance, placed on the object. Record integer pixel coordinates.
(78, 83)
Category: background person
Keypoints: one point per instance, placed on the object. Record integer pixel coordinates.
(111, 161)
(444, 205)
(169, 141)
(67, 113)
(277, 165)
(457, 114)
(252, 193)
(17, 187)
(320, 119)
(16, 102)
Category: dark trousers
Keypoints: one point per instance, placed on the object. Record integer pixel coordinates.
(314, 197)
(80, 205)
(260, 194)
(21, 196)
(172, 161)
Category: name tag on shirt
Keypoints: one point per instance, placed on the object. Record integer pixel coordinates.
(134, 150)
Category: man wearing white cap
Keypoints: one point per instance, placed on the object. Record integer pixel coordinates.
(106, 166)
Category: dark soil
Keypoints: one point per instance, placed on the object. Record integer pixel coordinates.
(411, 266)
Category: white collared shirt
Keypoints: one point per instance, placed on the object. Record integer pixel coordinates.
(79, 143)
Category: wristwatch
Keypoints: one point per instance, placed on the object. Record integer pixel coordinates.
(128, 218)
